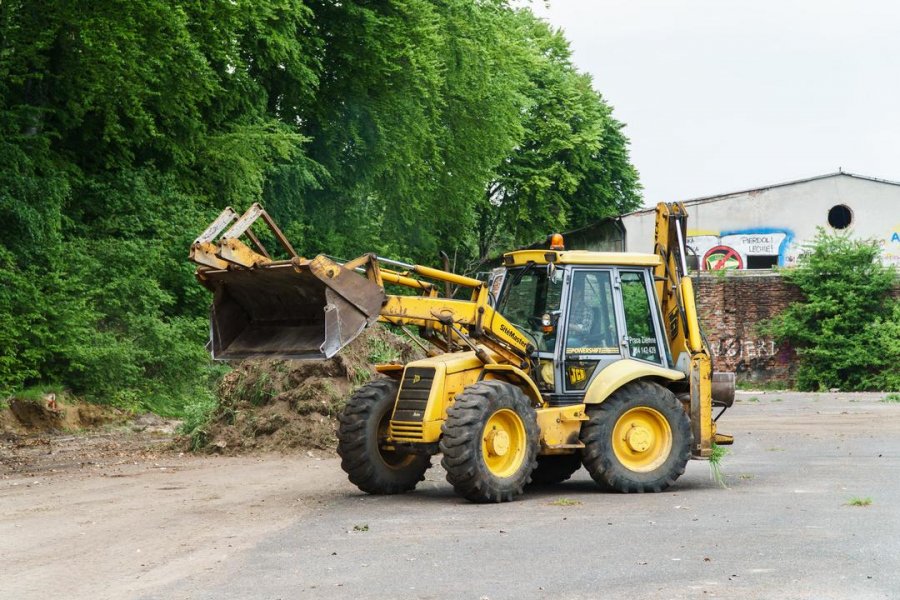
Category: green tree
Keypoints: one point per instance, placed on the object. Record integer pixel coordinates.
(846, 331)
(571, 167)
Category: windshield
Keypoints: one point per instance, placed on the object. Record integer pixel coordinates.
(528, 295)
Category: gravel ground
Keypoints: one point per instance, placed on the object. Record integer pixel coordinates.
(144, 522)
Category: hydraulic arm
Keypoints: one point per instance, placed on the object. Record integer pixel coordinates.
(674, 288)
(273, 308)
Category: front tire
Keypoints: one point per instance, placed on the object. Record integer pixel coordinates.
(363, 429)
(490, 442)
(637, 440)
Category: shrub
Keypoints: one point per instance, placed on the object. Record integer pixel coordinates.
(846, 332)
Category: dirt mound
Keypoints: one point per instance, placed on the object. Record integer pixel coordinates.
(50, 412)
(283, 405)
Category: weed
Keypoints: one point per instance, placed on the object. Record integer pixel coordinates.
(715, 464)
(359, 376)
(565, 502)
(774, 449)
(893, 397)
(197, 416)
(753, 399)
(855, 501)
(778, 400)
(746, 476)
(364, 527)
(381, 352)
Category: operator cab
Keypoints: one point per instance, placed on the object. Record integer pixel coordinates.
(582, 311)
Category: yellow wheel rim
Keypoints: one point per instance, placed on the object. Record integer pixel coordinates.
(642, 439)
(503, 443)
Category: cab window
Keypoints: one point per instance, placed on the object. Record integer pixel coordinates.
(591, 327)
(529, 293)
(640, 332)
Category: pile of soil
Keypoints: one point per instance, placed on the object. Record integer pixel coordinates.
(286, 405)
(53, 433)
(54, 413)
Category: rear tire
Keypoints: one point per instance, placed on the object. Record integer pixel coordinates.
(490, 442)
(363, 428)
(555, 468)
(637, 440)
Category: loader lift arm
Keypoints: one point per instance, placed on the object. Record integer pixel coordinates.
(272, 308)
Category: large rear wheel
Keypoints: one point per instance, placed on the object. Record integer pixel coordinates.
(637, 440)
(490, 442)
(371, 465)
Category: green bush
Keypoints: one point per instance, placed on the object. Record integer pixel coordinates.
(846, 331)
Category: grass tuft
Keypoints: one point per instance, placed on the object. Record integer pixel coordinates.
(364, 527)
(565, 502)
(715, 464)
(893, 398)
(380, 352)
(855, 501)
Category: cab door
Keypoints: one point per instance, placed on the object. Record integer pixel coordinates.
(591, 336)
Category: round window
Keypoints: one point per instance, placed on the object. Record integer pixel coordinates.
(840, 216)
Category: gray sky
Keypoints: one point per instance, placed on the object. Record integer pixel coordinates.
(722, 95)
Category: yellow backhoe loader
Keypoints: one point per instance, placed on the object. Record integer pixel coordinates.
(565, 358)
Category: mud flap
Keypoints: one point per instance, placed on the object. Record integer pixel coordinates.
(304, 309)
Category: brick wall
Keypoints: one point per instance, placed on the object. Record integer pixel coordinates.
(731, 307)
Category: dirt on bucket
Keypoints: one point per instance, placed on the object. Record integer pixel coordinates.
(287, 405)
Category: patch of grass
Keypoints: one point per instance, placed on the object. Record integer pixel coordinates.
(778, 400)
(774, 449)
(565, 502)
(364, 527)
(715, 464)
(746, 476)
(856, 501)
(380, 352)
(753, 399)
(197, 416)
(35, 394)
(755, 386)
(893, 397)
(359, 376)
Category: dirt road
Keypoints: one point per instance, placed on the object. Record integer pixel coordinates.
(149, 524)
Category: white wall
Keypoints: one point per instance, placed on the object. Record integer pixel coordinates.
(779, 220)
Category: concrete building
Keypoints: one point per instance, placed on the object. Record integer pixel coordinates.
(768, 226)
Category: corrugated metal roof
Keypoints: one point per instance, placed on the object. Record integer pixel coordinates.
(717, 197)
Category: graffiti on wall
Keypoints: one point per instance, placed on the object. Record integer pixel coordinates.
(729, 250)
(890, 247)
(744, 355)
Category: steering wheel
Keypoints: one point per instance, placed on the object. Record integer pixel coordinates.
(536, 322)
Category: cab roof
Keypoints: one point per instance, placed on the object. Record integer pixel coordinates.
(579, 257)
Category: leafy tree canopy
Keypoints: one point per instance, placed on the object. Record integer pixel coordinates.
(404, 127)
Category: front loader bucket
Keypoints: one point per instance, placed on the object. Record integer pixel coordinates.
(300, 309)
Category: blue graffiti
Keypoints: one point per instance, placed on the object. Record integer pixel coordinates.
(782, 248)
(895, 237)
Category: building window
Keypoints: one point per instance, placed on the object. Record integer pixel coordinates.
(840, 216)
(763, 261)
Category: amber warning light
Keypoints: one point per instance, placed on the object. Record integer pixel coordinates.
(556, 242)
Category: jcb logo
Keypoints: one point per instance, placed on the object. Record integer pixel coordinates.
(577, 375)
(416, 379)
